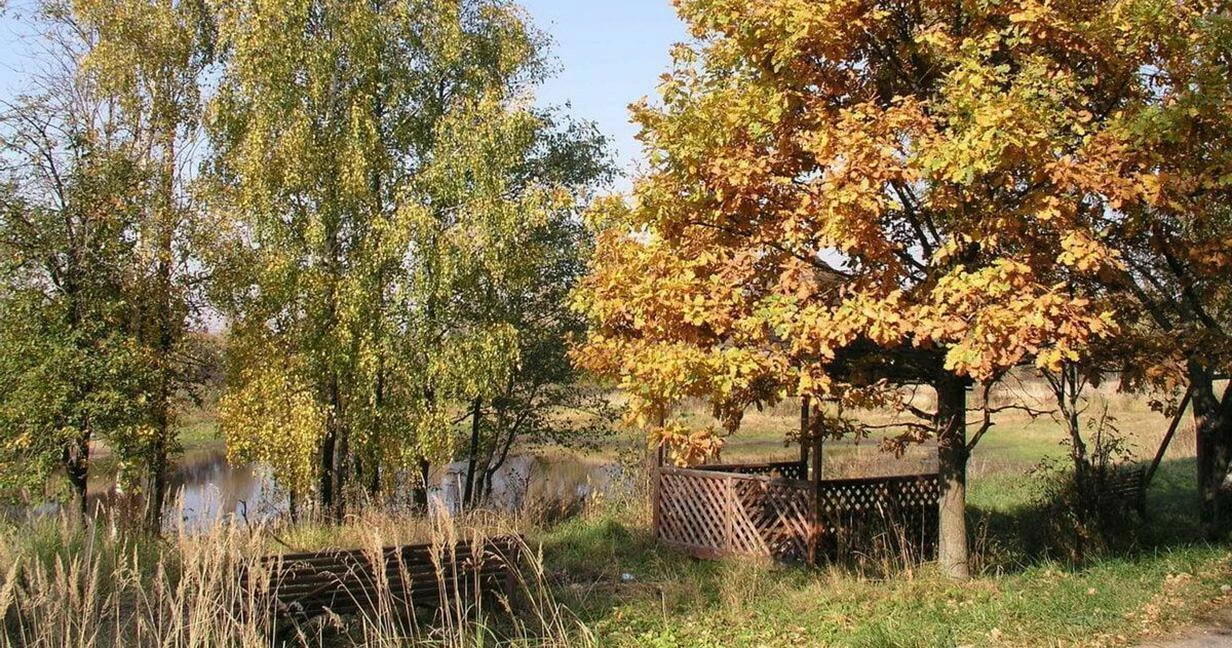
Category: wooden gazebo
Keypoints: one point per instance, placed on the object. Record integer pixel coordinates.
(788, 511)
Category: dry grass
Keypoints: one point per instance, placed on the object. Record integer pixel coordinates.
(1016, 442)
(68, 585)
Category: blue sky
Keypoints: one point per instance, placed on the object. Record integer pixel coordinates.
(609, 53)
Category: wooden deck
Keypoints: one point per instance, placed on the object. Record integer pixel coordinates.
(771, 510)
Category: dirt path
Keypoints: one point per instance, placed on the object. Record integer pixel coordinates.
(1215, 633)
(1201, 638)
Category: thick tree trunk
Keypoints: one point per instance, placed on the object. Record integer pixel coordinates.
(1213, 425)
(468, 495)
(952, 454)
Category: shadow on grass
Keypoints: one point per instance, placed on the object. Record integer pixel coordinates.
(1015, 533)
(618, 580)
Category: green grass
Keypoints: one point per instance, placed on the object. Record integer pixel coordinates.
(196, 435)
(674, 601)
(605, 566)
(1022, 597)
(1154, 580)
(625, 590)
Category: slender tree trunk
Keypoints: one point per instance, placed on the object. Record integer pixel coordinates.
(468, 495)
(165, 338)
(374, 481)
(342, 456)
(77, 467)
(1067, 389)
(158, 463)
(500, 445)
(293, 505)
(76, 451)
(326, 493)
(374, 476)
(1213, 425)
(481, 491)
(421, 494)
(952, 454)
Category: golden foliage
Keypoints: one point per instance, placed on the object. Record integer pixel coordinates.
(929, 175)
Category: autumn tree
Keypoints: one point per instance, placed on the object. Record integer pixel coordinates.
(845, 196)
(74, 367)
(377, 176)
(1156, 167)
(147, 60)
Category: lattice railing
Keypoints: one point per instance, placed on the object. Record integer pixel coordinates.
(871, 515)
(709, 513)
(780, 469)
(778, 513)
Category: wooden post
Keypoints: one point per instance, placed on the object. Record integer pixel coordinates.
(1163, 446)
(656, 477)
(728, 519)
(814, 525)
(804, 441)
(818, 452)
(815, 486)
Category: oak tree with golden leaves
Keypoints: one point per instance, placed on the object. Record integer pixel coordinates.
(848, 195)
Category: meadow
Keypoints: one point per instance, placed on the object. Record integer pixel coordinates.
(595, 576)
(598, 578)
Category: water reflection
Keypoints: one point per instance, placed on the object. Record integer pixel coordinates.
(206, 489)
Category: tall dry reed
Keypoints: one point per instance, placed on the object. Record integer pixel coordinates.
(73, 585)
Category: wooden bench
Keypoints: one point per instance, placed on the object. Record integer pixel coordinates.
(1125, 485)
(304, 585)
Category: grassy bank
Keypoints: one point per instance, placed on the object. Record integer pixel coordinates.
(599, 579)
(1113, 602)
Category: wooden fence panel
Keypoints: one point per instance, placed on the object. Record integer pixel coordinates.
(711, 513)
(871, 516)
(775, 517)
(692, 512)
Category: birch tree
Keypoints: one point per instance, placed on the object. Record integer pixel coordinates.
(369, 171)
(147, 58)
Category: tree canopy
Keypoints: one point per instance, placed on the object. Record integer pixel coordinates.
(933, 178)
(386, 185)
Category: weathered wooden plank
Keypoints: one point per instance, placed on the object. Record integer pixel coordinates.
(348, 581)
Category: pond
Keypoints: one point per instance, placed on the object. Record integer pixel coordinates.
(206, 488)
